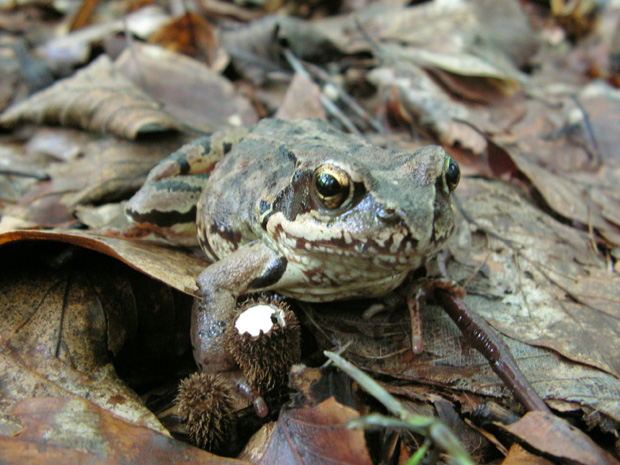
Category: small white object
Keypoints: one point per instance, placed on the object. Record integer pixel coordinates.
(331, 92)
(235, 120)
(259, 318)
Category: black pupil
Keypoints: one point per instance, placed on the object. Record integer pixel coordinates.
(327, 185)
(453, 174)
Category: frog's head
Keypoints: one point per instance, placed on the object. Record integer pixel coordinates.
(365, 208)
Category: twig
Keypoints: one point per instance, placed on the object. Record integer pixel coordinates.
(485, 339)
(330, 107)
(430, 427)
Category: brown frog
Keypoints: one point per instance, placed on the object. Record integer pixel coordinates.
(299, 208)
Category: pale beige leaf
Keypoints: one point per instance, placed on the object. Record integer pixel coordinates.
(98, 98)
(302, 100)
(556, 437)
(173, 266)
(195, 94)
(540, 286)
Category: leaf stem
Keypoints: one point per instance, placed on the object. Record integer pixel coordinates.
(430, 427)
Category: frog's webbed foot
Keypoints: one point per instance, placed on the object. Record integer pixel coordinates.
(388, 303)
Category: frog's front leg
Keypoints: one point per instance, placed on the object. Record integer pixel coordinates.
(252, 267)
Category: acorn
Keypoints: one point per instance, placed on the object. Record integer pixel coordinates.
(206, 403)
(265, 341)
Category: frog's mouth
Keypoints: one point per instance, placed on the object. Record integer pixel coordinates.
(369, 234)
(393, 248)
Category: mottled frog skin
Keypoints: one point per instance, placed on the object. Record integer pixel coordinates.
(302, 209)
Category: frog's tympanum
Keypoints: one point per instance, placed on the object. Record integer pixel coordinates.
(298, 208)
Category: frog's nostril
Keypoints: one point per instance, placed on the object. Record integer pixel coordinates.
(388, 215)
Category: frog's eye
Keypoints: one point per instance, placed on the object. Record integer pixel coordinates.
(333, 187)
(452, 173)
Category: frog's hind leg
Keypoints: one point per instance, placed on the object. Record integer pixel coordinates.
(199, 156)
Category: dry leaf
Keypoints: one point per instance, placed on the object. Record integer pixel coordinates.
(113, 169)
(458, 64)
(302, 100)
(172, 266)
(496, 32)
(311, 435)
(58, 143)
(20, 74)
(109, 169)
(66, 52)
(578, 19)
(554, 436)
(517, 455)
(471, 439)
(432, 110)
(256, 49)
(571, 196)
(97, 98)
(25, 170)
(61, 321)
(53, 430)
(602, 109)
(541, 279)
(579, 184)
(189, 34)
(192, 92)
(383, 345)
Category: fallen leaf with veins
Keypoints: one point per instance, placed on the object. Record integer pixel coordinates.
(54, 430)
(97, 98)
(555, 437)
(310, 435)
